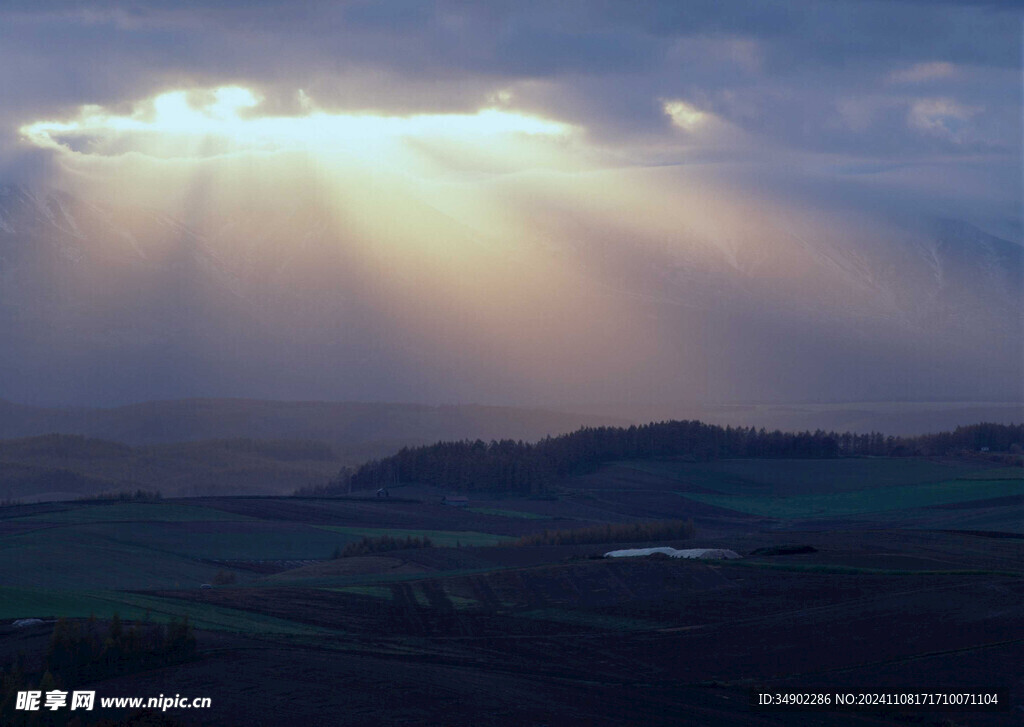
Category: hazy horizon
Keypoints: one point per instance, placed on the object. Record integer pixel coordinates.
(568, 406)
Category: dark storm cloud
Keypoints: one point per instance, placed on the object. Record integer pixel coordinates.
(837, 33)
(885, 106)
(813, 76)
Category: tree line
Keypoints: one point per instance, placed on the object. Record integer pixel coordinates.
(532, 468)
(635, 532)
(381, 544)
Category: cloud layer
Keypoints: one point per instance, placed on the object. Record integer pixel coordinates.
(515, 197)
(902, 81)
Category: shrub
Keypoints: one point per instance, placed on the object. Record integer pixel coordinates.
(124, 496)
(381, 544)
(620, 533)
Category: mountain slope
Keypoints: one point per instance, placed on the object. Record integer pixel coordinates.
(349, 427)
(540, 289)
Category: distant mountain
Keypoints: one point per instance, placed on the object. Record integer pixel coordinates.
(64, 467)
(352, 429)
(770, 303)
(334, 295)
(232, 446)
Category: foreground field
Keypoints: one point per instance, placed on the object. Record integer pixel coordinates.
(482, 631)
(186, 543)
(648, 641)
(859, 492)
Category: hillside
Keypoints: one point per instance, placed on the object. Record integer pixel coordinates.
(356, 430)
(860, 567)
(508, 466)
(231, 446)
(63, 467)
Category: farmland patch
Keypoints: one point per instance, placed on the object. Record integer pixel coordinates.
(251, 540)
(439, 538)
(787, 478)
(79, 557)
(44, 603)
(862, 501)
(133, 512)
(372, 591)
(497, 512)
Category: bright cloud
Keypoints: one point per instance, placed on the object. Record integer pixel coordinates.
(684, 116)
(941, 117)
(181, 124)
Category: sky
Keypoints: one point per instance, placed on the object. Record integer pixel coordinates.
(904, 91)
(504, 116)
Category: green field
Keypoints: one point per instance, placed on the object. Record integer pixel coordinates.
(508, 513)
(855, 570)
(85, 557)
(258, 540)
(876, 499)
(1005, 519)
(372, 591)
(142, 555)
(461, 603)
(790, 477)
(146, 545)
(1000, 473)
(219, 618)
(77, 558)
(41, 603)
(439, 538)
